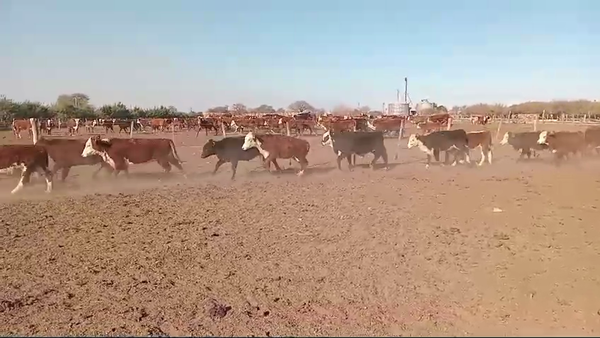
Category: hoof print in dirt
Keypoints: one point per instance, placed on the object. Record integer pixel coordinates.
(217, 310)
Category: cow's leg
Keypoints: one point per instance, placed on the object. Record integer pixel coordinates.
(350, 163)
(64, 173)
(303, 164)
(339, 161)
(102, 165)
(428, 161)
(25, 175)
(489, 155)
(383, 154)
(277, 167)
(47, 174)
(219, 163)
(234, 165)
(164, 163)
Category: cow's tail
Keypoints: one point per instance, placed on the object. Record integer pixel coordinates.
(174, 151)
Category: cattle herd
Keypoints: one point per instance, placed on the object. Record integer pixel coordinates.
(270, 137)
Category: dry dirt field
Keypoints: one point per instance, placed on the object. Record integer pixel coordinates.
(407, 251)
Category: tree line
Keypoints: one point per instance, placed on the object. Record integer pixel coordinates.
(78, 105)
(574, 107)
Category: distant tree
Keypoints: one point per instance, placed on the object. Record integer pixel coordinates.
(264, 109)
(300, 106)
(239, 108)
(218, 110)
(280, 111)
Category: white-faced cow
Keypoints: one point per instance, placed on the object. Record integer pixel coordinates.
(563, 143)
(119, 153)
(31, 158)
(525, 142)
(229, 149)
(454, 141)
(346, 144)
(272, 147)
(66, 153)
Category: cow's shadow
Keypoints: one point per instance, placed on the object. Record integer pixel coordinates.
(316, 170)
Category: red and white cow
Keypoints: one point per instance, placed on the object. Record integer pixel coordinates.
(119, 153)
(30, 158)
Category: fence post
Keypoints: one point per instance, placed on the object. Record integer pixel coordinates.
(131, 130)
(498, 130)
(223, 128)
(34, 130)
(535, 122)
(287, 128)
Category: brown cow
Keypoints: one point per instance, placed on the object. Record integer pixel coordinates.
(73, 126)
(159, 124)
(429, 127)
(119, 153)
(66, 153)
(386, 124)
(31, 158)
(20, 125)
(483, 140)
(272, 147)
(561, 143)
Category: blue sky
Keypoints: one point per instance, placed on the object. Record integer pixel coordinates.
(202, 53)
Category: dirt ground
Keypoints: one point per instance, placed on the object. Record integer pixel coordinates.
(409, 251)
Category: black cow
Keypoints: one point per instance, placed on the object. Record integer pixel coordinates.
(346, 144)
(525, 142)
(228, 149)
(450, 141)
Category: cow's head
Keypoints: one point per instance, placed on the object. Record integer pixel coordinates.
(414, 140)
(95, 146)
(370, 125)
(543, 138)
(208, 149)
(507, 136)
(250, 141)
(326, 139)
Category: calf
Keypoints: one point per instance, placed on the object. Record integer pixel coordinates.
(561, 143)
(66, 153)
(228, 149)
(455, 141)
(32, 158)
(525, 142)
(346, 144)
(272, 147)
(119, 153)
(483, 140)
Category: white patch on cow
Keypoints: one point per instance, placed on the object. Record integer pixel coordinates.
(233, 126)
(326, 139)
(250, 141)
(339, 153)
(89, 150)
(413, 141)
(19, 186)
(370, 125)
(553, 151)
(505, 138)
(543, 139)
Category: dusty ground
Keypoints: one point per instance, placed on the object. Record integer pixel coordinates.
(404, 252)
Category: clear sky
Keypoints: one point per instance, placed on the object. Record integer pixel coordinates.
(202, 53)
